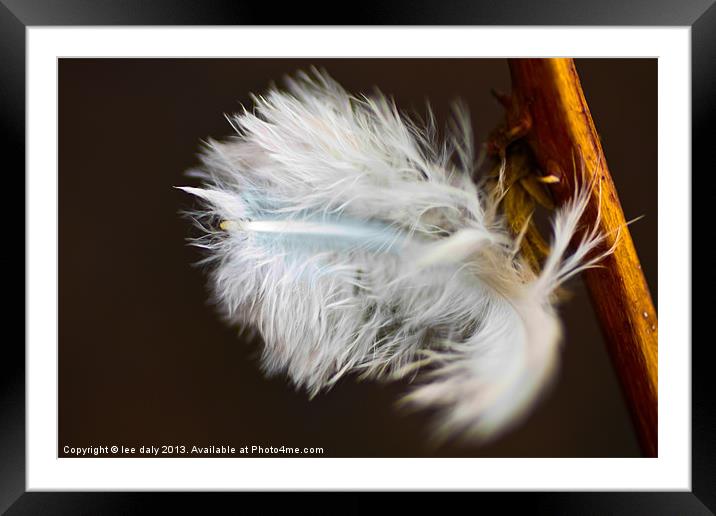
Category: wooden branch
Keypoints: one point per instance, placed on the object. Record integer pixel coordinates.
(547, 107)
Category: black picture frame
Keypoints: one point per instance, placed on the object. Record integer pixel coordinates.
(17, 15)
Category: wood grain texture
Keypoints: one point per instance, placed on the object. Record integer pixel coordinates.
(548, 109)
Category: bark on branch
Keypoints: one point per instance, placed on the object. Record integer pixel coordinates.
(548, 109)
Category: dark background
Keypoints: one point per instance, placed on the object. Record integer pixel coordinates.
(144, 360)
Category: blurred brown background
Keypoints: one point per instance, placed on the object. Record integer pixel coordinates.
(144, 360)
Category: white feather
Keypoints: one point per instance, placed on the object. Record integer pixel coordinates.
(355, 242)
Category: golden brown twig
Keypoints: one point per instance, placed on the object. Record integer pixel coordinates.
(548, 110)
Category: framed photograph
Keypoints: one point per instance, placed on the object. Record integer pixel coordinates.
(403, 256)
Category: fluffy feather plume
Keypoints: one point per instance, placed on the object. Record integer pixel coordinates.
(354, 241)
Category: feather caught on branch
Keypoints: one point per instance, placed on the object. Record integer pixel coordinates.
(356, 242)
